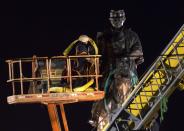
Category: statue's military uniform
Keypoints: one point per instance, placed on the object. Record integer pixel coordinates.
(121, 50)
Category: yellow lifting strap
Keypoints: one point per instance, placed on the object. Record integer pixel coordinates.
(69, 48)
(85, 87)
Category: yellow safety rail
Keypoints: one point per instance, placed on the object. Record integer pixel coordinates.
(172, 57)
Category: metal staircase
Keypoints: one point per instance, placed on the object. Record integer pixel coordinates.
(166, 73)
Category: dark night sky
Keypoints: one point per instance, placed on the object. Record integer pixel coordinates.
(46, 28)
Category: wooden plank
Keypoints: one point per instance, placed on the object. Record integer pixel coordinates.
(54, 119)
(56, 97)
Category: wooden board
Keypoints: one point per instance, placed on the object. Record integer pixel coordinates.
(56, 97)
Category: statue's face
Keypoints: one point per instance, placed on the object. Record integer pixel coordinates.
(117, 22)
(117, 18)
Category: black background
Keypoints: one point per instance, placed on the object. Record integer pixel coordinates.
(46, 28)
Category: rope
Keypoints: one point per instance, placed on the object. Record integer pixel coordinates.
(106, 87)
(163, 107)
(108, 81)
(134, 79)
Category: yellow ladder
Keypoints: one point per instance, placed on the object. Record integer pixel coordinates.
(162, 78)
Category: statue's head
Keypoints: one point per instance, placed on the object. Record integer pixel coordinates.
(117, 18)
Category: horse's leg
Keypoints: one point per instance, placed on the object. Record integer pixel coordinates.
(126, 89)
(123, 87)
(103, 119)
(97, 112)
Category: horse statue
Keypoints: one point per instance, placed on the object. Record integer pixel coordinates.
(118, 84)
